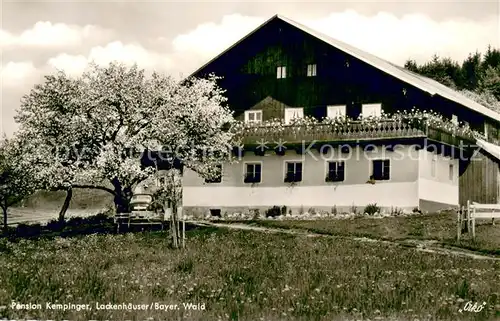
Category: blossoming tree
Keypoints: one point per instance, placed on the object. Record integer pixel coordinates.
(109, 116)
(16, 182)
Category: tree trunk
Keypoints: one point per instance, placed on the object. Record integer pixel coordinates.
(173, 195)
(122, 198)
(5, 226)
(62, 213)
(182, 227)
(173, 226)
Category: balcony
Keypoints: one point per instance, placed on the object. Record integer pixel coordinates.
(352, 131)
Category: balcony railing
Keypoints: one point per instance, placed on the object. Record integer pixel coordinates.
(351, 131)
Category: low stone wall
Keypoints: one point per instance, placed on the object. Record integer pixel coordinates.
(291, 212)
(304, 217)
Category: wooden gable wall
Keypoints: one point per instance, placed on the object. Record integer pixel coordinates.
(249, 71)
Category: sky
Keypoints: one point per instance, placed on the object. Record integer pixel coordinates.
(40, 37)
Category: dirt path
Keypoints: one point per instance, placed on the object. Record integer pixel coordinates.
(419, 245)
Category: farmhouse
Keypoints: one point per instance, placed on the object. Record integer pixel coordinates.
(315, 131)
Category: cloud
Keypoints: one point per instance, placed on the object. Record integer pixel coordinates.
(48, 34)
(15, 77)
(416, 36)
(16, 73)
(385, 35)
(210, 38)
(194, 48)
(71, 64)
(113, 51)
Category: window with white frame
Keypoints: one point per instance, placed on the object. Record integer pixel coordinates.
(434, 166)
(253, 173)
(311, 70)
(381, 169)
(293, 172)
(371, 110)
(293, 113)
(281, 72)
(451, 172)
(335, 171)
(335, 111)
(253, 116)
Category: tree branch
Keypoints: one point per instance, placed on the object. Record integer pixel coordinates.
(136, 131)
(102, 188)
(117, 106)
(117, 130)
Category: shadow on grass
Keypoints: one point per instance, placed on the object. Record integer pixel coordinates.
(101, 223)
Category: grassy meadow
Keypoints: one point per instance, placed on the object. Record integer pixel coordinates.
(432, 227)
(241, 275)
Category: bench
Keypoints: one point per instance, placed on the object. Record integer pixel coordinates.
(480, 212)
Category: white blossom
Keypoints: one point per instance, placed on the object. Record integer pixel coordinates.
(92, 130)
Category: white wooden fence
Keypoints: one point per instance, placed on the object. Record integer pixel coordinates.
(466, 217)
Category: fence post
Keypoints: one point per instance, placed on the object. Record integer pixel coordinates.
(467, 222)
(473, 222)
(459, 223)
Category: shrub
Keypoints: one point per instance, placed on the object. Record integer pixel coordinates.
(372, 209)
(75, 221)
(416, 210)
(334, 210)
(273, 211)
(27, 230)
(354, 209)
(283, 210)
(396, 211)
(98, 218)
(55, 225)
(256, 214)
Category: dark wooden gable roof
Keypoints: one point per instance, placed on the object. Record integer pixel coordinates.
(270, 31)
